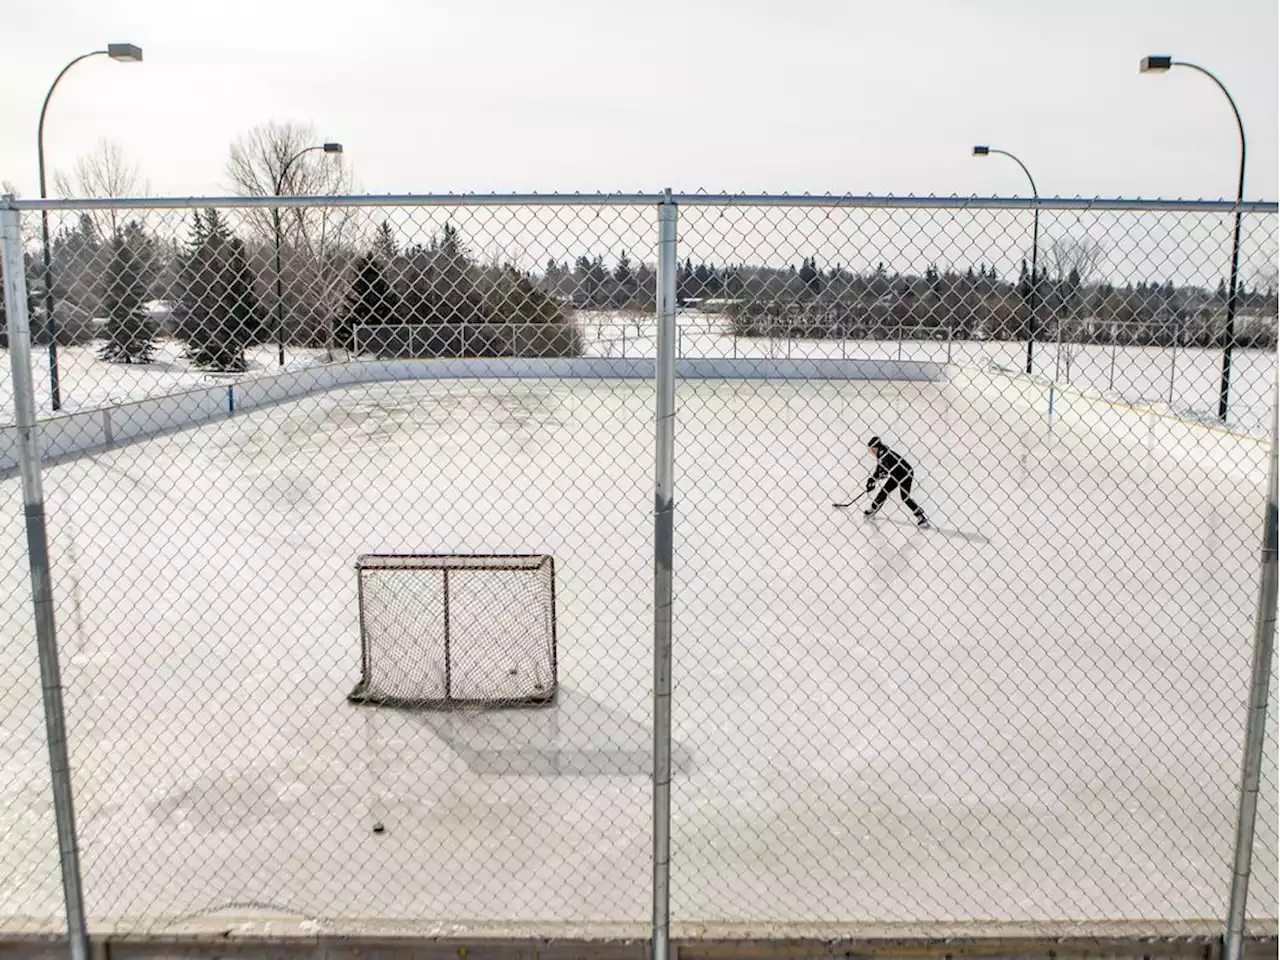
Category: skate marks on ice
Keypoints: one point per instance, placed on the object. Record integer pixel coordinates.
(970, 536)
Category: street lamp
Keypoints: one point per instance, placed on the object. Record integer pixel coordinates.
(334, 148)
(1163, 65)
(983, 151)
(124, 53)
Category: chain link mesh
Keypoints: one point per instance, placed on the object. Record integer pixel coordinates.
(1031, 710)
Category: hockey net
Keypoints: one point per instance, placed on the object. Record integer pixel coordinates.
(456, 630)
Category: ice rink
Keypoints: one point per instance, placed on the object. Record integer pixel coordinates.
(1032, 712)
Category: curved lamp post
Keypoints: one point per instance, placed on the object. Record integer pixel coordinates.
(124, 53)
(1163, 65)
(335, 148)
(983, 151)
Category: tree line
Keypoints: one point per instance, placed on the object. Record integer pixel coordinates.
(810, 300)
(1058, 302)
(309, 278)
(216, 287)
(336, 277)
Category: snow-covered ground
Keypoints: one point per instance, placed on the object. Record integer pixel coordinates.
(87, 382)
(1182, 381)
(1033, 712)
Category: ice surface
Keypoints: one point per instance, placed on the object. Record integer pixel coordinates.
(1034, 712)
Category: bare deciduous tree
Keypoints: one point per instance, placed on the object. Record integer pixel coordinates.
(270, 160)
(1081, 255)
(104, 171)
(1073, 261)
(273, 158)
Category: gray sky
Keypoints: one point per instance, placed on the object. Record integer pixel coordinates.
(802, 95)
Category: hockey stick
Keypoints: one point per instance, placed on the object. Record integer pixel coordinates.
(853, 501)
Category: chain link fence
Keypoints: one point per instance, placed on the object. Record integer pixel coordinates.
(1032, 709)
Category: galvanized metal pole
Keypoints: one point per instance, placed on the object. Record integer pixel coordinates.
(275, 219)
(1233, 300)
(1264, 641)
(1033, 299)
(24, 406)
(50, 316)
(664, 539)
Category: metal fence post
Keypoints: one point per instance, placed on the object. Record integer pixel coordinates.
(24, 407)
(663, 528)
(1264, 641)
(1111, 377)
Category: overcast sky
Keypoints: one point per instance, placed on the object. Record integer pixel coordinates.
(779, 95)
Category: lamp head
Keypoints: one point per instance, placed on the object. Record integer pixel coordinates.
(981, 151)
(124, 52)
(1155, 64)
(332, 148)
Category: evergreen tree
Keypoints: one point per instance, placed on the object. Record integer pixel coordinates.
(686, 286)
(715, 282)
(368, 300)
(704, 280)
(622, 273)
(79, 276)
(810, 275)
(384, 243)
(130, 333)
(453, 293)
(599, 274)
(220, 311)
(513, 299)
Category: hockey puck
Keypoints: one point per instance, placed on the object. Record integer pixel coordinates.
(378, 827)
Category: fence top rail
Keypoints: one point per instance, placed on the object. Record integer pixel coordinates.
(825, 201)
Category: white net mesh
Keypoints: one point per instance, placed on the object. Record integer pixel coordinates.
(443, 630)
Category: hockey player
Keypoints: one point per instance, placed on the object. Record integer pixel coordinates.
(897, 474)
